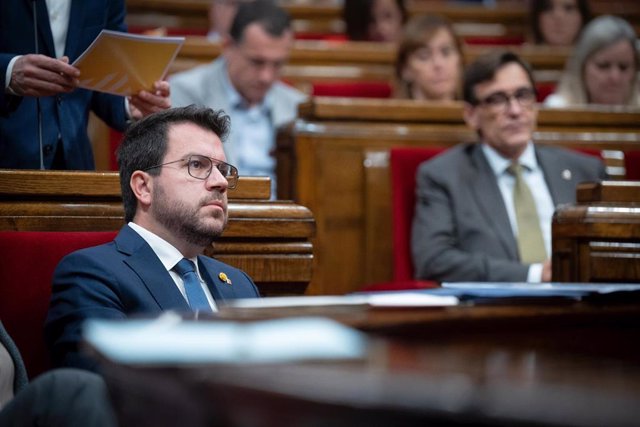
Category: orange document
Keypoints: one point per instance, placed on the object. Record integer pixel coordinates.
(124, 64)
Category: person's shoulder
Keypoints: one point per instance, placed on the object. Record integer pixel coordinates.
(281, 89)
(450, 156)
(197, 72)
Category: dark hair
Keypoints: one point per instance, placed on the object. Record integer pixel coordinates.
(419, 31)
(145, 144)
(358, 15)
(485, 67)
(272, 18)
(540, 6)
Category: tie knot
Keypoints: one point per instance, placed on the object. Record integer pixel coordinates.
(515, 169)
(185, 266)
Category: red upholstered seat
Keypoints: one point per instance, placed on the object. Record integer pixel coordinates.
(361, 89)
(632, 165)
(27, 262)
(403, 163)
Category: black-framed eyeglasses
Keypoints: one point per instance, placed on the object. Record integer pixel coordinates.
(525, 97)
(200, 167)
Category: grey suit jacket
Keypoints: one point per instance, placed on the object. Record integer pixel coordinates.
(203, 85)
(20, 373)
(461, 229)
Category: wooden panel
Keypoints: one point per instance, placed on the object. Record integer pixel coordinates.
(331, 149)
(598, 238)
(268, 239)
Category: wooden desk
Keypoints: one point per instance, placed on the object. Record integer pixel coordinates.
(334, 160)
(573, 364)
(598, 238)
(270, 240)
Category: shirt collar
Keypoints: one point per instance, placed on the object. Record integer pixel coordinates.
(500, 164)
(165, 251)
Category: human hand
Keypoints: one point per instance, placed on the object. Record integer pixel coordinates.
(546, 271)
(40, 75)
(144, 102)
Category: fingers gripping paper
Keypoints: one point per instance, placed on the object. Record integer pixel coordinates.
(124, 64)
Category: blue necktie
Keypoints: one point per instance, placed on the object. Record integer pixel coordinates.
(195, 295)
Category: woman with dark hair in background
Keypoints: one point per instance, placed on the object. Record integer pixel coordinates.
(558, 22)
(429, 60)
(374, 20)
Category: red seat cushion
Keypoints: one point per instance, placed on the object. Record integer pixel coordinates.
(404, 162)
(632, 165)
(26, 269)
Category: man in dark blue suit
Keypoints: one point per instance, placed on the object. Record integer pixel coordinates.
(65, 28)
(174, 187)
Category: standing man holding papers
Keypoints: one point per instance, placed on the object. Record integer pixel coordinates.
(39, 39)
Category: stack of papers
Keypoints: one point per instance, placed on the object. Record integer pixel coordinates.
(124, 64)
(171, 340)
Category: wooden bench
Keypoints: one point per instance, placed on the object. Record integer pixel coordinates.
(334, 160)
(509, 18)
(598, 238)
(372, 60)
(46, 214)
(268, 239)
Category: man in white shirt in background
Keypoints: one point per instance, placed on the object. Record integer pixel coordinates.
(244, 82)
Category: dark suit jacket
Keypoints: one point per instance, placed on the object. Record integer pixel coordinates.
(461, 229)
(20, 379)
(65, 115)
(119, 279)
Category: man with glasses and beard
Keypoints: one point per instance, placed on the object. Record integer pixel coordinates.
(174, 181)
(483, 210)
(244, 82)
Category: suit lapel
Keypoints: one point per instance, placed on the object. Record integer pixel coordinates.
(220, 291)
(561, 188)
(45, 39)
(145, 263)
(489, 199)
(76, 25)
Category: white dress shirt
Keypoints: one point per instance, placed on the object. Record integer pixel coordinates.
(170, 256)
(534, 177)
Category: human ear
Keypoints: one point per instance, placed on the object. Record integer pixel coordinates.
(470, 114)
(141, 184)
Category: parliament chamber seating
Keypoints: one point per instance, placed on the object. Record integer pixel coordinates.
(26, 269)
(335, 159)
(47, 214)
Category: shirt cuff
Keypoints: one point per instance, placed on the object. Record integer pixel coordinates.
(7, 78)
(535, 273)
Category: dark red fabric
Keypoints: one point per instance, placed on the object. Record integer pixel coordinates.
(27, 262)
(632, 165)
(361, 89)
(545, 89)
(494, 40)
(403, 163)
(115, 138)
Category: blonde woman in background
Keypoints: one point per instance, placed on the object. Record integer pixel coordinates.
(429, 60)
(603, 68)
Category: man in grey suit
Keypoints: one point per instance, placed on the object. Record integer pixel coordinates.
(466, 222)
(244, 83)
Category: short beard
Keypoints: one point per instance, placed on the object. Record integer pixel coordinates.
(183, 221)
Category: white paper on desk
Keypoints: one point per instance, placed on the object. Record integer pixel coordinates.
(124, 64)
(381, 299)
(169, 340)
